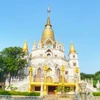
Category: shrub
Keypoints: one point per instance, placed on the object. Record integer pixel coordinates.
(11, 87)
(3, 92)
(96, 93)
(62, 88)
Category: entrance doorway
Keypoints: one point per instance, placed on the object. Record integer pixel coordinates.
(51, 89)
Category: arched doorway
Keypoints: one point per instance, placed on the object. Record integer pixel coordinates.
(51, 89)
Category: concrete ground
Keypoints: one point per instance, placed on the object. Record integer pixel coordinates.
(53, 97)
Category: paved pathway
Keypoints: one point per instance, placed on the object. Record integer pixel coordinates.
(53, 97)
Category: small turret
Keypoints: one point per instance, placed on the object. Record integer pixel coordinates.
(73, 57)
(34, 43)
(34, 46)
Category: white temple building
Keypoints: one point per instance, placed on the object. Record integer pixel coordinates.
(48, 65)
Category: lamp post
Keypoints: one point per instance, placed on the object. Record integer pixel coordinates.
(30, 78)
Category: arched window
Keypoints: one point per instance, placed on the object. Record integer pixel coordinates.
(58, 72)
(39, 70)
(48, 54)
(48, 50)
(49, 70)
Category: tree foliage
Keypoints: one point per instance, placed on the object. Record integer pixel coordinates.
(86, 76)
(95, 77)
(11, 60)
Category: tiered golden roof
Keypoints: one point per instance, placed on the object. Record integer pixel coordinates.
(48, 33)
(25, 46)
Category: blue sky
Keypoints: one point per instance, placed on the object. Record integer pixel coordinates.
(72, 20)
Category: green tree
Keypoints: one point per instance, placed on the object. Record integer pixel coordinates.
(1, 70)
(95, 77)
(11, 60)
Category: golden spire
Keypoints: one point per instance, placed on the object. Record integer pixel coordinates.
(72, 48)
(56, 42)
(34, 43)
(48, 32)
(25, 47)
(48, 22)
(40, 41)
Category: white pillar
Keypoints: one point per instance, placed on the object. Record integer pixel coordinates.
(41, 93)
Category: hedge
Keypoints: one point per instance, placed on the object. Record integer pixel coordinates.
(3, 92)
(96, 93)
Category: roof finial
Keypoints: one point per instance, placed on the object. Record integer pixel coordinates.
(48, 10)
(25, 46)
(72, 48)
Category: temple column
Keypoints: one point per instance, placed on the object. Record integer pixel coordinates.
(41, 85)
(41, 89)
(63, 70)
(77, 79)
(45, 87)
(30, 78)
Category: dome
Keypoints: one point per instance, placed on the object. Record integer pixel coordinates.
(48, 33)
